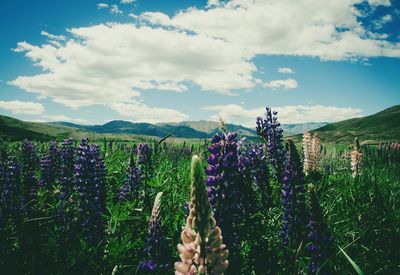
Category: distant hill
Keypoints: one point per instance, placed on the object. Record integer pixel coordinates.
(211, 127)
(294, 129)
(14, 129)
(382, 126)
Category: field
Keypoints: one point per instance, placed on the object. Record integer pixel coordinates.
(74, 207)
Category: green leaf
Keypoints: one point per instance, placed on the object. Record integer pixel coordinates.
(355, 266)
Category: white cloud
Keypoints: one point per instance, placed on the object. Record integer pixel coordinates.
(109, 63)
(139, 112)
(385, 3)
(211, 48)
(330, 31)
(286, 70)
(378, 24)
(22, 107)
(213, 3)
(52, 36)
(115, 9)
(286, 84)
(102, 6)
(127, 1)
(63, 118)
(233, 113)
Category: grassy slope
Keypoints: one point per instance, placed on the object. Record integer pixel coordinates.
(14, 129)
(382, 126)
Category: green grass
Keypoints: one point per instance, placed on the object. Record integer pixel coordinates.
(362, 215)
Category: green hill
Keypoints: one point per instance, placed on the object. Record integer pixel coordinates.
(382, 126)
(12, 129)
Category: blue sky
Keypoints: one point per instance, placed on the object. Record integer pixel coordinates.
(96, 61)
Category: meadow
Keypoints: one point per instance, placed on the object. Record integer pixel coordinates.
(73, 207)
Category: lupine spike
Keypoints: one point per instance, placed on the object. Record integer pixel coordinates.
(356, 157)
(154, 251)
(132, 181)
(90, 182)
(293, 193)
(311, 153)
(270, 130)
(29, 161)
(202, 250)
(320, 246)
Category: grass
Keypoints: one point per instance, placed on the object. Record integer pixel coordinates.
(362, 215)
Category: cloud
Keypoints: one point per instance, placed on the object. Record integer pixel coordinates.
(139, 112)
(378, 24)
(385, 3)
(102, 6)
(22, 107)
(287, 84)
(63, 118)
(127, 1)
(52, 36)
(233, 113)
(115, 9)
(330, 31)
(212, 48)
(109, 63)
(286, 70)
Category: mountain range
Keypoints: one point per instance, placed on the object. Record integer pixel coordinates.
(382, 126)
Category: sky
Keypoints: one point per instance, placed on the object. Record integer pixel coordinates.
(155, 61)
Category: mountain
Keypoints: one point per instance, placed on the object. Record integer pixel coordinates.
(12, 129)
(382, 126)
(210, 127)
(294, 129)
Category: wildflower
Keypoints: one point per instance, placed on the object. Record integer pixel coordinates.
(10, 194)
(202, 250)
(144, 152)
(29, 161)
(214, 170)
(307, 154)
(270, 130)
(320, 242)
(293, 203)
(66, 181)
(311, 153)
(90, 183)
(155, 245)
(49, 166)
(356, 160)
(315, 152)
(259, 171)
(132, 181)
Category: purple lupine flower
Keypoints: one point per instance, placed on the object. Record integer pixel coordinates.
(320, 240)
(66, 180)
(213, 171)
(154, 252)
(29, 161)
(132, 182)
(270, 130)
(90, 184)
(226, 186)
(10, 192)
(293, 199)
(49, 166)
(143, 152)
(10, 199)
(257, 163)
